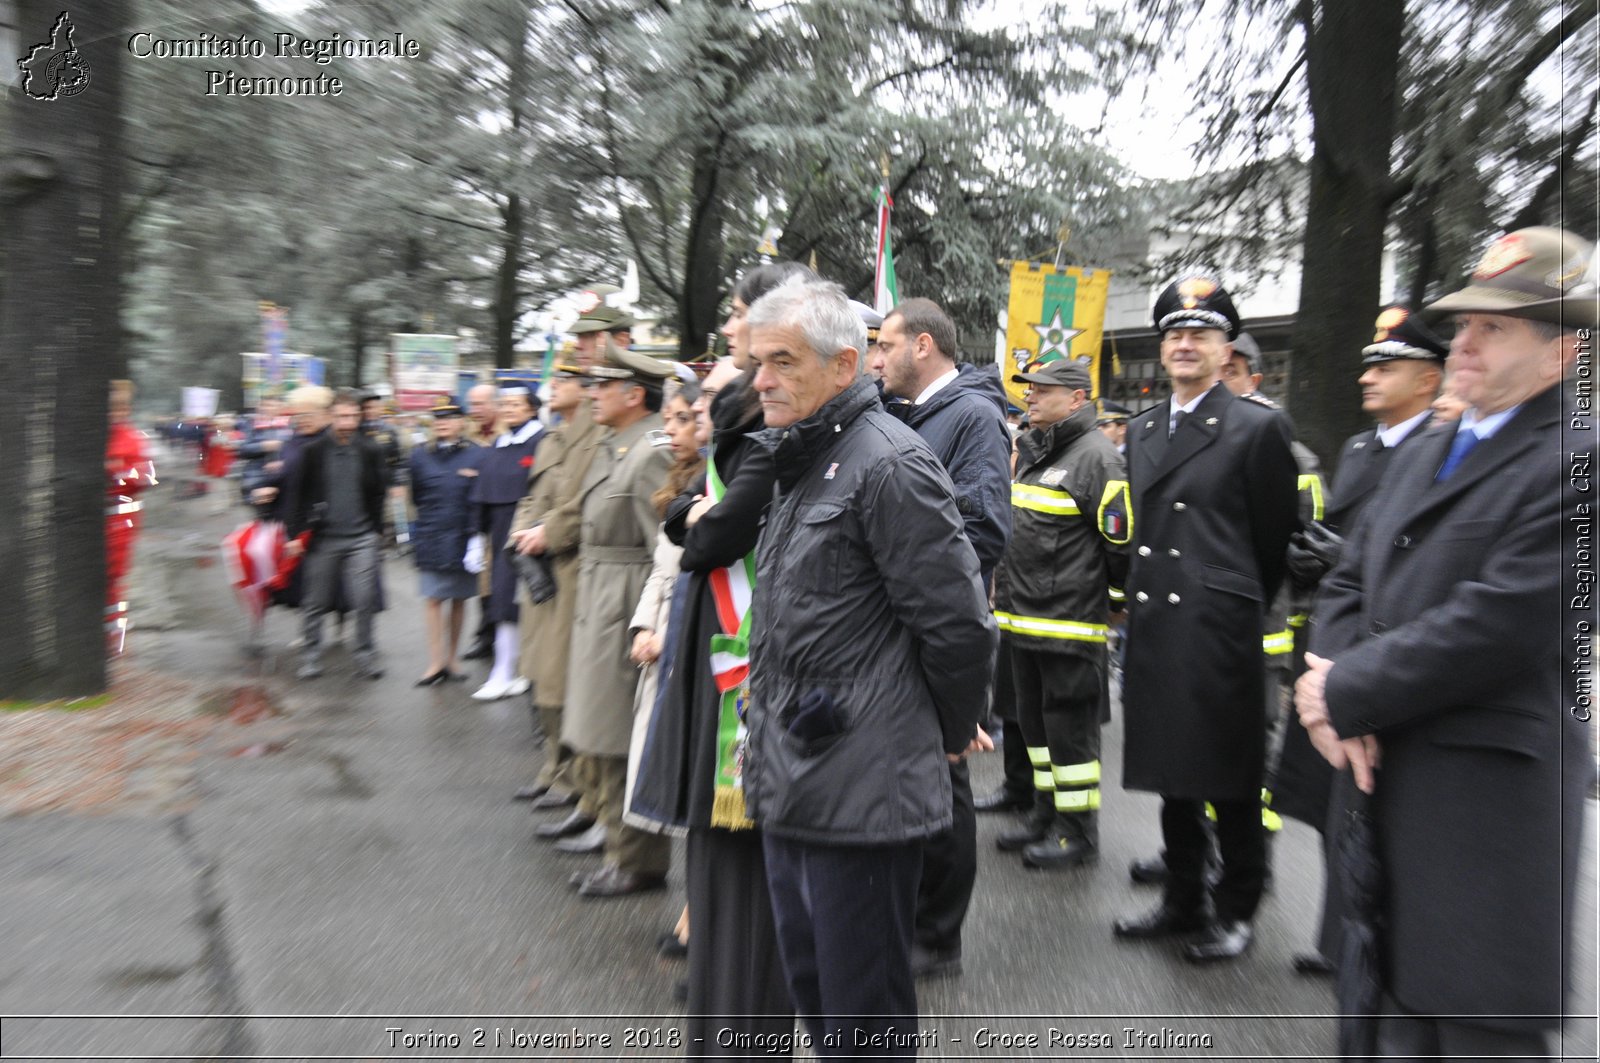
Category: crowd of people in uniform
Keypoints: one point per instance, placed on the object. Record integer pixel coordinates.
(774, 611)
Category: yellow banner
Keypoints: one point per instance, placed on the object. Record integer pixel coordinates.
(1054, 314)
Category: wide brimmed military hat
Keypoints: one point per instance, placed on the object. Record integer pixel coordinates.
(596, 312)
(1542, 273)
(446, 407)
(1197, 300)
(567, 371)
(1061, 373)
(1402, 334)
(620, 363)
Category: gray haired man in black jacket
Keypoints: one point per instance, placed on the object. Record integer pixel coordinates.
(870, 660)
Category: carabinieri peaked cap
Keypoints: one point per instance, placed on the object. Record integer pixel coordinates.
(1196, 301)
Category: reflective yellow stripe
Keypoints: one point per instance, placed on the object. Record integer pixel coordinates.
(1116, 489)
(1041, 781)
(1039, 627)
(1298, 620)
(1278, 643)
(1211, 812)
(1043, 500)
(1312, 482)
(1116, 594)
(1077, 800)
(1087, 774)
(1039, 756)
(1269, 819)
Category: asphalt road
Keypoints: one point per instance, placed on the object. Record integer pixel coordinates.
(349, 880)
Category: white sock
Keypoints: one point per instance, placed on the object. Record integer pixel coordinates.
(506, 649)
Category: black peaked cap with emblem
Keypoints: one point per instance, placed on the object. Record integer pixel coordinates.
(1197, 300)
(1400, 333)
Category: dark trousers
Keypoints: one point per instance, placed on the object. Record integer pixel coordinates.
(1241, 841)
(1058, 706)
(349, 562)
(1013, 747)
(1402, 1036)
(843, 915)
(949, 870)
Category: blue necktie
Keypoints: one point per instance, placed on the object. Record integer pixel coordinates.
(1465, 440)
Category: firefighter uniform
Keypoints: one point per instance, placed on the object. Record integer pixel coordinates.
(1068, 550)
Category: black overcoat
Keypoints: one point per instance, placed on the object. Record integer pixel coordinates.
(1213, 509)
(1305, 781)
(1446, 622)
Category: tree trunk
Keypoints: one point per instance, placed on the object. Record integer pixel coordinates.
(358, 346)
(1353, 51)
(60, 330)
(702, 267)
(505, 286)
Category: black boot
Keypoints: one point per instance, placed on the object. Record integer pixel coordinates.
(1034, 827)
(1069, 842)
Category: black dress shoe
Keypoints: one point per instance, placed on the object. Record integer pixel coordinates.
(934, 963)
(480, 649)
(576, 823)
(1221, 940)
(553, 798)
(1160, 922)
(1002, 800)
(612, 881)
(432, 679)
(530, 793)
(1313, 965)
(669, 947)
(1150, 871)
(592, 840)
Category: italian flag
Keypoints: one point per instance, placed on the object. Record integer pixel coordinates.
(885, 292)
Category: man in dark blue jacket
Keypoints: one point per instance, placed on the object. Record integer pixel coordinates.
(959, 411)
(870, 660)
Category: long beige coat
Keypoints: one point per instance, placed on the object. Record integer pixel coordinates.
(618, 541)
(554, 500)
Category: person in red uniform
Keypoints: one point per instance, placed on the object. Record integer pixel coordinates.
(129, 471)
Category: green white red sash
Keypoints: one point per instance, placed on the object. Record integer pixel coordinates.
(731, 590)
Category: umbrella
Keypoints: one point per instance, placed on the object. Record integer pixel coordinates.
(1360, 869)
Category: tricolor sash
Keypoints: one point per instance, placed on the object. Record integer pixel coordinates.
(731, 590)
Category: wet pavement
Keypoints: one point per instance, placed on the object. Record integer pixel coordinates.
(336, 870)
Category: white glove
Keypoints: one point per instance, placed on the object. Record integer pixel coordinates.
(473, 561)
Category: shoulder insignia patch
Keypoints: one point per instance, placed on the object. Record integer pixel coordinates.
(657, 438)
(1053, 478)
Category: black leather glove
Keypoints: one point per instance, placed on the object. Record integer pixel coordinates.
(1313, 551)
